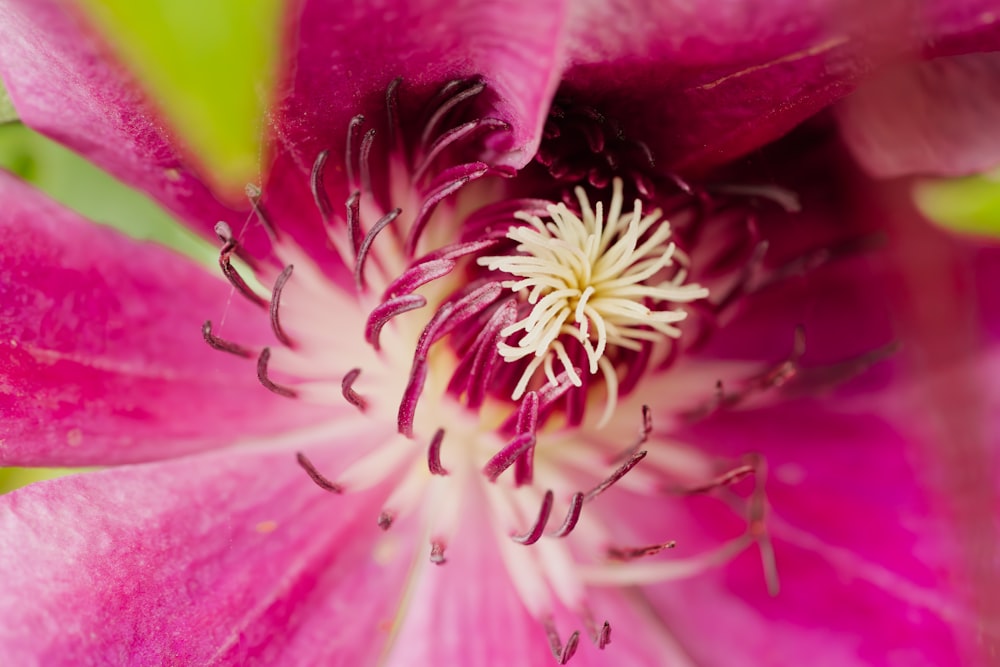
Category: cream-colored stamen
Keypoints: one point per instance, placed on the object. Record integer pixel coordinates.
(586, 277)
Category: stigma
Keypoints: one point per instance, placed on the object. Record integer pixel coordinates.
(603, 279)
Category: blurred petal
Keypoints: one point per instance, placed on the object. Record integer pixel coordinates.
(214, 84)
(198, 562)
(937, 117)
(703, 82)
(62, 85)
(103, 357)
(867, 568)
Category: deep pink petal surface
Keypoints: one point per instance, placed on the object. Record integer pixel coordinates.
(101, 353)
(705, 82)
(347, 54)
(866, 567)
(937, 117)
(220, 559)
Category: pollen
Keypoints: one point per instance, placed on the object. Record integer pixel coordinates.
(601, 278)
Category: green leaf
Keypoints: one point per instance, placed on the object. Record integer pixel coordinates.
(969, 205)
(7, 113)
(210, 66)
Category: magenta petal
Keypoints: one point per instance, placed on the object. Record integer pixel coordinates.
(705, 82)
(938, 117)
(868, 568)
(101, 352)
(221, 559)
(63, 85)
(466, 611)
(347, 55)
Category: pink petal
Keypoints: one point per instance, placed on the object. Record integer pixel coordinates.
(347, 55)
(221, 559)
(866, 563)
(466, 611)
(62, 84)
(103, 359)
(937, 117)
(705, 82)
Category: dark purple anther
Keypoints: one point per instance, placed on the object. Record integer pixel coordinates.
(453, 136)
(385, 520)
(615, 476)
(561, 653)
(538, 529)
(364, 160)
(318, 189)
(366, 244)
(352, 134)
(254, 195)
(448, 104)
(631, 553)
(347, 388)
(262, 361)
(434, 454)
(315, 475)
(572, 516)
(448, 182)
(279, 285)
(223, 345)
(353, 204)
(234, 278)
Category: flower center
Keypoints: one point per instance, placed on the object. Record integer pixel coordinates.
(500, 312)
(602, 280)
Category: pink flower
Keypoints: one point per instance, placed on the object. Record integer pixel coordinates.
(547, 388)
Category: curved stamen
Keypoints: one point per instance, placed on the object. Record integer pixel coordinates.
(572, 516)
(319, 193)
(254, 195)
(279, 285)
(366, 244)
(387, 310)
(561, 653)
(622, 470)
(455, 135)
(347, 388)
(392, 115)
(434, 454)
(448, 105)
(315, 475)
(353, 205)
(280, 390)
(538, 528)
(505, 458)
(233, 276)
(449, 181)
(631, 553)
(364, 160)
(352, 133)
(221, 344)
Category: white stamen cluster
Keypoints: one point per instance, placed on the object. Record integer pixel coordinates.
(604, 280)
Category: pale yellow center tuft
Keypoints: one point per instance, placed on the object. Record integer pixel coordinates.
(604, 280)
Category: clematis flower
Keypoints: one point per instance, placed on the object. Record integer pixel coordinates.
(561, 331)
